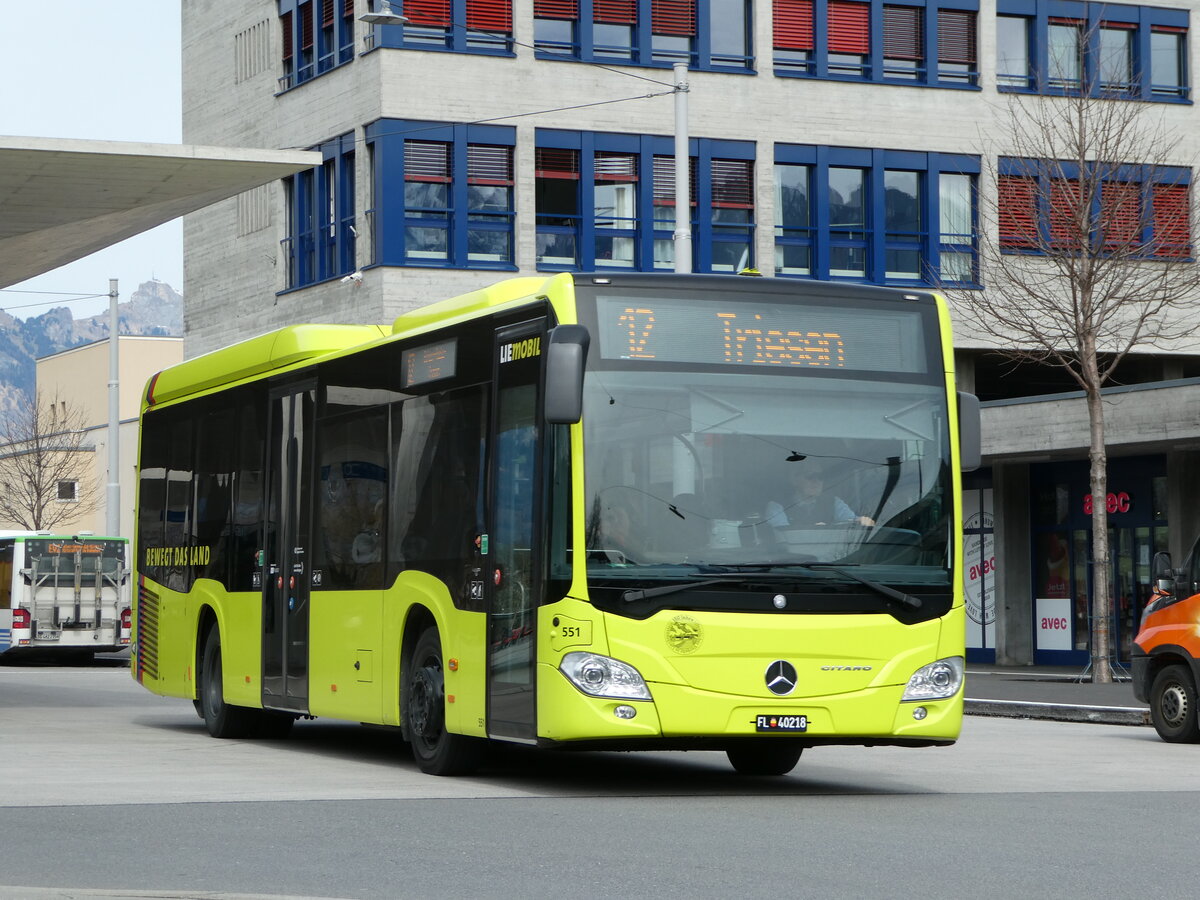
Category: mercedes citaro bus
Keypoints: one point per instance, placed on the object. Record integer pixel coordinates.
(555, 512)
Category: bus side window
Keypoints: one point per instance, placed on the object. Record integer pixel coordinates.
(6, 573)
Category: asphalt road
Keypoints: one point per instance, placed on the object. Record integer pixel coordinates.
(105, 787)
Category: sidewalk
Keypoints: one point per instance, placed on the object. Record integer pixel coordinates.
(1051, 692)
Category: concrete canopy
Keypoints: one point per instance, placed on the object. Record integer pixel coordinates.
(62, 199)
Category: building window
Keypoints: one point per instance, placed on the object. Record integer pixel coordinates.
(1105, 49)
(458, 26)
(927, 42)
(443, 194)
(1138, 211)
(321, 241)
(316, 36)
(607, 201)
(705, 34)
(869, 215)
(68, 491)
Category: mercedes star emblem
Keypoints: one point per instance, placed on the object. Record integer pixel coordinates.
(781, 677)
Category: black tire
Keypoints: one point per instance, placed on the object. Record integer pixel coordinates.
(764, 757)
(436, 751)
(1173, 705)
(222, 719)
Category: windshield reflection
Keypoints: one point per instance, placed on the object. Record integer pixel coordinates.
(694, 472)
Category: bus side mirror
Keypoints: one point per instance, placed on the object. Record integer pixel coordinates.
(565, 360)
(970, 433)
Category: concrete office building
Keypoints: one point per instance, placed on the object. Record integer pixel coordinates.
(829, 139)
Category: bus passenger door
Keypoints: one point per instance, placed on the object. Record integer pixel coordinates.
(513, 560)
(285, 563)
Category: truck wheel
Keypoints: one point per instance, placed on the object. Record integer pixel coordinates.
(222, 719)
(436, 750)
(764, 757)
(1173, 705)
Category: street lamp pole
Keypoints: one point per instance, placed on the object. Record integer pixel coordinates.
(112, 518)
(683, 194)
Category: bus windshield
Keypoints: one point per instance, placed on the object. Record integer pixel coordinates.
(700, 465)
(57, 561)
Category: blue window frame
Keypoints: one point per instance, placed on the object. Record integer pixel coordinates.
(607, 202)
(456, 26)
(1104, 49)
(915, 42)
(320, 242)
(316, 36)
(1141, 211)
(879, 216)
(713, 35)
(443, 194)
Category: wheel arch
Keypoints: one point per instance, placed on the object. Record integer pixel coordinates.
(1169, 655)
(206, 618)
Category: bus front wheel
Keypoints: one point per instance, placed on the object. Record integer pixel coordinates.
(1173, 705)
(222, 719)
(436, 750)
(764, 757)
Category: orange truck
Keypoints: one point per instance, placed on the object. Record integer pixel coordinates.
(1166, 652)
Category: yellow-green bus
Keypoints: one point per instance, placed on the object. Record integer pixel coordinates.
(571, 511)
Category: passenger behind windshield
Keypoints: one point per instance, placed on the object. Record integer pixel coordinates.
(808, 502)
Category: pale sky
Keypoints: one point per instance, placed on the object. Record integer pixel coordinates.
(102, 71)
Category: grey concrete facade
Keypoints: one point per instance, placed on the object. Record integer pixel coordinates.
(235, 276)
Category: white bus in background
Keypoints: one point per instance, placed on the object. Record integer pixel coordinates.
(67, 595)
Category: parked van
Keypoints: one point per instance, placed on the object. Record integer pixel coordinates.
(1166, 651)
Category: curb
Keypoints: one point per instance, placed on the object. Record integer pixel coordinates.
(1059, 712)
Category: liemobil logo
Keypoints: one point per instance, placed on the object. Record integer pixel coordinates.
(781, 677)
(521, 350)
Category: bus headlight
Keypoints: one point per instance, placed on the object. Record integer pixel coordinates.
(603, 676)
(936, 681)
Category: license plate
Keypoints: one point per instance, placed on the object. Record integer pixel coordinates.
(47, 635)
(782, 723)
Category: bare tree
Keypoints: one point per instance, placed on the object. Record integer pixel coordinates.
(1085, 254)
(45, 465)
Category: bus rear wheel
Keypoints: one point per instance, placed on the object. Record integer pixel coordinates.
(1173, 705)
(222, 719)
(764, 757)
(436, 750)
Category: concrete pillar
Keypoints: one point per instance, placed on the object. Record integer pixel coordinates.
(1183, 511)
(964, 371)
(1014, 592)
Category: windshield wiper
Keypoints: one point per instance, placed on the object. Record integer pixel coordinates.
(886, 590)
(647, 593)
(840, 569)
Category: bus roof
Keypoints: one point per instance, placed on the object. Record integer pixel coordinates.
(273, 350)
(467, 306)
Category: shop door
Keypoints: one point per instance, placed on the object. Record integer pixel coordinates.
(285, 549)
(1132, 551)
(515, 583)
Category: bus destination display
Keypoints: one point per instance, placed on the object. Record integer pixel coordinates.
(429, 363)
(776, 335)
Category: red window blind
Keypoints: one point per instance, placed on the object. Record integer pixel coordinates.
(426, 161)
(793, 24)
(903, 36)
(347, 9)
(487, 164)
(428, 13)
(849, 27)
(490, 15)
(1066, 218)
(664, 180)
(306, 26)
(615, 166)
(733, 183)
(552, 162)
(1120, 214)
(1128, 26)
(673, 17)
(1172, 222)
(326, 13)
(1169, 29)
(956, 36)
(615, 12)
(1017, 208)
(285, 23)
(556, 9)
